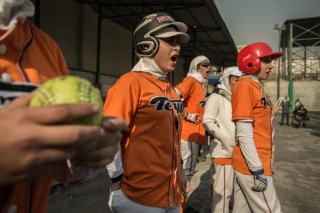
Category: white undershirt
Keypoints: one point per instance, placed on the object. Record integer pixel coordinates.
(244, 133)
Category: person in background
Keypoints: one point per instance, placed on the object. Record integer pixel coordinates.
(297, 103)
(191, 91)
(217, 121)
(300, 115)
(285, 110)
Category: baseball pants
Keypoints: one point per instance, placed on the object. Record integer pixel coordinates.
(246, 200)
(120, 203)
(189, 155)
(223, 180)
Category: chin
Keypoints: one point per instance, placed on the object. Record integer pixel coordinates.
(170, 69)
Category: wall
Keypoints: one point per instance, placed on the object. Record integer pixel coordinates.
(74, 27)
(307, 91)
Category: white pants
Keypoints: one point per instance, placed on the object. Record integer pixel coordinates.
(223, 180)
(189, 155)
(246, 200)
(120, 203)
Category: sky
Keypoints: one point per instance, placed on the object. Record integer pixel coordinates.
(253, 20)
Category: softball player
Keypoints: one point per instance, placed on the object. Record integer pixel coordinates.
(34, 147)
(217, 121)
(191, 90)
(147, 178)
(253, 154)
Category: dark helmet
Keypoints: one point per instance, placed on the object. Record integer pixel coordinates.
(144, 39)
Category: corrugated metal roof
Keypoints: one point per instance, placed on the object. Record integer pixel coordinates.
(212, 36)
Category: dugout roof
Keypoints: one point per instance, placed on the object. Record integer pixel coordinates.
(207, 29)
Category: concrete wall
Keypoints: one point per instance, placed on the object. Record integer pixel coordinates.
(74, 27)
(307, 91)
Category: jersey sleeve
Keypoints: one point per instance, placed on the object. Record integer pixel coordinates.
(123, 99)
(185, 87)
(242, 102)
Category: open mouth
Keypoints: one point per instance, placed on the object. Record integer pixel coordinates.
(174, 58)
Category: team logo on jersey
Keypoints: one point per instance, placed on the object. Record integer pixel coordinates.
(202, 103)
(163, 103)
(265, 102)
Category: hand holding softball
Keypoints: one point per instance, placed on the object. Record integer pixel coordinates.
(32, 143)
(99, 151)
(91, 151)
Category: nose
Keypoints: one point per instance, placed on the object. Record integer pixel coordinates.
(177, 48)
(177, 45)
(271, 65)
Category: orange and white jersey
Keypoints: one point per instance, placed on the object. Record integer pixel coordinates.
(28, 58)
(193, 94)
(151, 144)
(249, 103)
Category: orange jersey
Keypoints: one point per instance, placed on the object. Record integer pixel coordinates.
(249, 103)
(30, 57)
(151, 145)
(194, 101)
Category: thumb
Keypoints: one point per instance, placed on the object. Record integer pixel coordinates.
(187, 186)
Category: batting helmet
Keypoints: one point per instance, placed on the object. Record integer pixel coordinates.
(249, 57)
(152, 27)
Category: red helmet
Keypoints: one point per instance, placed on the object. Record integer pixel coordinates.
(249, 57)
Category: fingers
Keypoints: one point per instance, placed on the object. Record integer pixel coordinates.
(95, 164)
(114, 124)
(19, 103)
(51, 156)
(260, 187)
(99, 155)
(62, 136)
(62, 113)
(103, 140)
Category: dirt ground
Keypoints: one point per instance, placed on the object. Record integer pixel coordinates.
(297, 178)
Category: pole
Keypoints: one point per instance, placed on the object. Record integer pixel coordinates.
(194, 41)
(97, 80)
(132, 49)
(290, 88)
(278, 77)
(305, 62)
(37, 13)
(284, 75)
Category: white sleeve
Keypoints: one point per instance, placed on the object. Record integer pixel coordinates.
(210, 115)
(244, 134)
(179, 94)
(115, 168)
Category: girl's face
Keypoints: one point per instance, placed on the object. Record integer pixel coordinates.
(168, 52)
(266, 68)
(204, 68)
(233, 80)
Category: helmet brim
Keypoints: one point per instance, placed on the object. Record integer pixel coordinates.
(182, 37)
(276, 55)
(181, 28)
